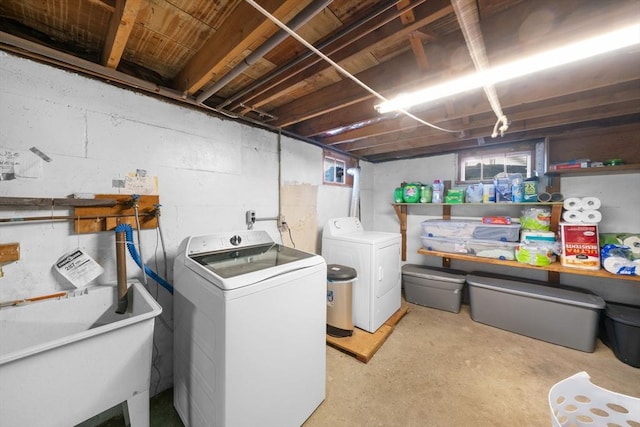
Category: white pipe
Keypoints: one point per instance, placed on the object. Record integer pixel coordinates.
(467, 14)
(355, 192)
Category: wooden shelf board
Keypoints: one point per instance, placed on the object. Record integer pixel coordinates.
(555, 267)
(480, 204)
(605, 170)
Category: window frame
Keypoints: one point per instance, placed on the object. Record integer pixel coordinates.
(348, 162)
(527, 147)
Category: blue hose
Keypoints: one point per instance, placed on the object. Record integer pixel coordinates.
(128, 231)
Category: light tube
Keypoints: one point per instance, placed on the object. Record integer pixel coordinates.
(618, 39)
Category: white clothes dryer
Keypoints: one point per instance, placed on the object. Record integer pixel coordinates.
(375, 255)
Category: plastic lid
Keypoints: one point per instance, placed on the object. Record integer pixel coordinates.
(626, 314)
(531, 290)
(336, 272)
(434, 273)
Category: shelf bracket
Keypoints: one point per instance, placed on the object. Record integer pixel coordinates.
(401, 213)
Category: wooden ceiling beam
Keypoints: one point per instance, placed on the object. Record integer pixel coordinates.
(242, 30)
(481, 125)
(538, 123)
(379, 31)
(120, 26)
(606, 71)
(496, 33)
(345, 92)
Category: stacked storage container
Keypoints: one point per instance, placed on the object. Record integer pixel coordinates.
(471, 237)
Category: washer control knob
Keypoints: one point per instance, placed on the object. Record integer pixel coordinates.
(235, 240)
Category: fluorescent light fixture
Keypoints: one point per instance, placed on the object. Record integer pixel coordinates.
(618, 39)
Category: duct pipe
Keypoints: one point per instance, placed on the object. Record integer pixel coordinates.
(323, 44)
(299, 20)
(355, 192)
(469, 20)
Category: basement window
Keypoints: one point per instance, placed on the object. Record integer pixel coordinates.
(335, 166)
(482, 164)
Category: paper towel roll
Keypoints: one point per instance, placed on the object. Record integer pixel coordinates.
(573, 204)
(634, 243)
(591, 217)
(591, 203)
(574, 217)
(619, 265)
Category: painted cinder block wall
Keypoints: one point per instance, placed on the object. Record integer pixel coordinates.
(209, 171)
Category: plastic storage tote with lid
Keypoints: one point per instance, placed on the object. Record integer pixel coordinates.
(448, 228)
(570, 317)
(434, 287)
(340, 280)
(622, 332)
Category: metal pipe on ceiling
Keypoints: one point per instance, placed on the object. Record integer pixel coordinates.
(341, 33)
(298, 21)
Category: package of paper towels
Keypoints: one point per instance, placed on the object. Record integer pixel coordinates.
(618, 259)
(630, 240)
(582, 216)
(581, 203)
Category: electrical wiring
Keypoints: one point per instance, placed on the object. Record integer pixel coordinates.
(340, 69)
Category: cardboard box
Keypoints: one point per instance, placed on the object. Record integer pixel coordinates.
(580, 246)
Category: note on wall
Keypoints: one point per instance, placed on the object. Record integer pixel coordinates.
(19, 164)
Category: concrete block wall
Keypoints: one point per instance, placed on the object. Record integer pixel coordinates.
(620, 204)
(210, 171)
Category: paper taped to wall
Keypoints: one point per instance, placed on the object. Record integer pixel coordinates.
(78, 268)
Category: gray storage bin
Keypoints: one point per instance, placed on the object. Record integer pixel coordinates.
(434, 287)
(560, 316)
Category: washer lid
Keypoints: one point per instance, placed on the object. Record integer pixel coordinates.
(236, 259)
(232, 263)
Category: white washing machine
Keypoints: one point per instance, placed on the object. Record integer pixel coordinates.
(249, 331)
(376, 257)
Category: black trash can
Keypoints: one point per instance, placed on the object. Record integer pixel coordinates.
(340, 300)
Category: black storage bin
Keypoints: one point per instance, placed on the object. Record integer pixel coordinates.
(622, 332)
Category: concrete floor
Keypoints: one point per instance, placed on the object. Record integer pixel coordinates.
(443, 369)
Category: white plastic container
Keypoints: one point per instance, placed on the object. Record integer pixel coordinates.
(492, 249)
(577, 401)
(448, 228)
(445, 244)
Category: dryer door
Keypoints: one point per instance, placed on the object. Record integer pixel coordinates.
(388, 269)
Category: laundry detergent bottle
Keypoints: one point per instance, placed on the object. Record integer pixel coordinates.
(437, 191)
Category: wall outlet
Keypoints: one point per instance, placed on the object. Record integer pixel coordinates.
(282, 225)
(250, 218)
